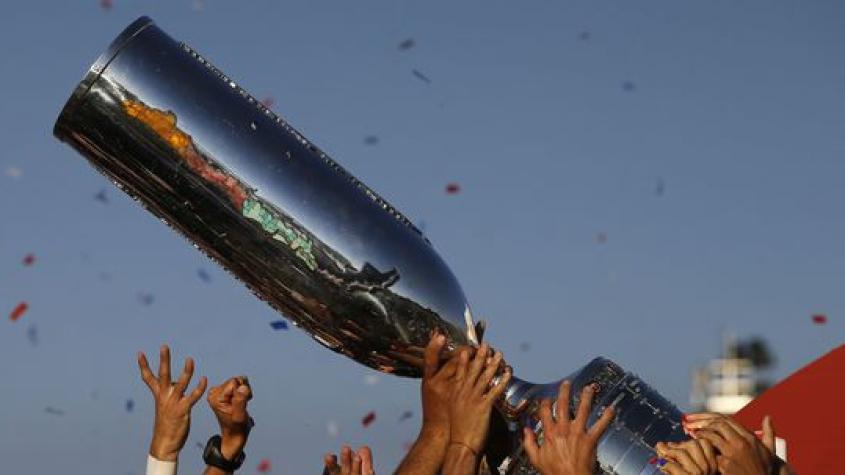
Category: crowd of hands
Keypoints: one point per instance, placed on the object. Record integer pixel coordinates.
(458, 395)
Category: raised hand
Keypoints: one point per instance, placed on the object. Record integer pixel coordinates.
(228, 402)
(569, 447)
(172, 405)
(473, 396)
(351, 463)
(429, 450)
(691, 457)
(739, 451)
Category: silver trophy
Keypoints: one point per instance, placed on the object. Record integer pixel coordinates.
(195, 149)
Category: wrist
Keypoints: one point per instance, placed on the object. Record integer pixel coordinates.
(164, 451)
(464, 447)
(232, 444)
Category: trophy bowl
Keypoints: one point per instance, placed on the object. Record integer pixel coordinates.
(304, 235)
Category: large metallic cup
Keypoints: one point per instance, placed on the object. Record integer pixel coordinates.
(240, 183)
(233, 177)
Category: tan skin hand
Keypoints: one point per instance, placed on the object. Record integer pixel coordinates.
(739, 451)
(172, 405)
(691, 457)
(473, 396)
(429, 450)
(569, 447)
(436, 386)
(351, 463)
(229, 404)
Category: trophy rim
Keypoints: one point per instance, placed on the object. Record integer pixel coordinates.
(96, 70)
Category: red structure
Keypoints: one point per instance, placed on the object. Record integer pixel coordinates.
(806, 409)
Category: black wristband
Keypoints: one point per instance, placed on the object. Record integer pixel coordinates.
(214, 457)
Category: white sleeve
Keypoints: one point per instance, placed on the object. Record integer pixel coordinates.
(160, 467)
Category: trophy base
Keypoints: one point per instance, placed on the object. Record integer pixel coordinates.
(643, 418)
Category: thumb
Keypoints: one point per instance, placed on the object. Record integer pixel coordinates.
(769, 434)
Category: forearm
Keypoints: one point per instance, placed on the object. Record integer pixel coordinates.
(426, 455)
(460, 460)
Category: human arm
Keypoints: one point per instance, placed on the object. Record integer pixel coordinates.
(569, 447)
(739, 451)
(229, 404)
(427, 452)
(172, 410)
(473, 395)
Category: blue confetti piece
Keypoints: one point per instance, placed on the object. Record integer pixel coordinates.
(101, 197)
(146, 299)
(279, 325)
(204, 275)
(130, 405)
(406, 415)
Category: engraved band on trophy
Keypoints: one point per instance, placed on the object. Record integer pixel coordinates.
(302, 233)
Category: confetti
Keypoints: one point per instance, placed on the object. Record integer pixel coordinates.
(279, 325)
(629, 86)
(368, 419)
(524, 346)
(660, 188)
(263, 466)
(601, 238)
(406, 415)
(130, 405)
(106, 4)
(268, 102)
(819, 319)
(453, 188)
(18, 311)
(203, 275)
(14, 172)
(32, 335)
(29, 259)
(146, 299)
(371, 140)
(371, 379)
(422, 77)
(584, 35)
(54, 411)
(332, 429)
(407, 44)
(101, 197)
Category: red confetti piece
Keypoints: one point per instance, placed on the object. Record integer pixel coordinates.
(106, 4)
(819, 319)
(264, 466)
(18, 311)
(268, 102)
(29, 259)
(368, 419)
(453, 188)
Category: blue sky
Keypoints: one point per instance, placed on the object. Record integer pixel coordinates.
(736, 106)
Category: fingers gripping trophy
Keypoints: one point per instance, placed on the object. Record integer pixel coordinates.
(196, 150)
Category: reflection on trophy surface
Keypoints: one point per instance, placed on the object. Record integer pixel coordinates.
(242, 185)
